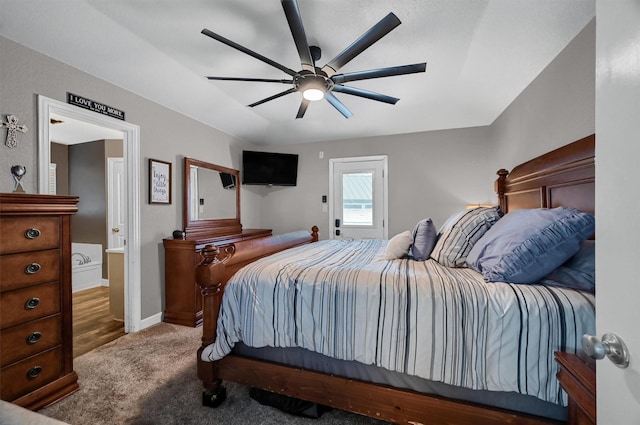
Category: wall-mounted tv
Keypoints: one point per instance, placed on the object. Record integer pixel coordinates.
(228, 180)
(270, 169)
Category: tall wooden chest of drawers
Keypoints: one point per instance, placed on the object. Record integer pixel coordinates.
(36, 333)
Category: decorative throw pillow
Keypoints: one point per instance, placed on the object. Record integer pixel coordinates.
(398, 246)
(526, 245)
(424, 239)
(460, 232)
(578, 272)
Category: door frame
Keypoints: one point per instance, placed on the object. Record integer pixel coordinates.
(131, 150)
(385, 189)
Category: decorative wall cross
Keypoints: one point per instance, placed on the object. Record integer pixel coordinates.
(12, 128)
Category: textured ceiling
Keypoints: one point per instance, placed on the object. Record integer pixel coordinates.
(480, 55)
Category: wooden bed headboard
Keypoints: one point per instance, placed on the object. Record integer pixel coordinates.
(562, 177)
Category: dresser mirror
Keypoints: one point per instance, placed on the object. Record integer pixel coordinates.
(211, 199)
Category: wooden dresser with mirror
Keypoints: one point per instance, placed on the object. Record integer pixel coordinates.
(211, 215)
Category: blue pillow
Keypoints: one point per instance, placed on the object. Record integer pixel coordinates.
(425, 236)
(526, 245)
(579, 272)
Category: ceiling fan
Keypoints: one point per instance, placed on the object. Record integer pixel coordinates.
(314, 82)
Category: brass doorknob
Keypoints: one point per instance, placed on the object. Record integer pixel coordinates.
(115, 230)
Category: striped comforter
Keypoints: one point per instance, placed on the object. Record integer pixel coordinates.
(341, 299)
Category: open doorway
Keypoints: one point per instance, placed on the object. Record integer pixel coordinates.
(80, 155)
(130, 181)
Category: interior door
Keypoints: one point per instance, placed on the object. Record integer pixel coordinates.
(358, 198)
(117, 223)
(617, 203)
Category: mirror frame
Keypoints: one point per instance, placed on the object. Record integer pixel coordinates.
(213, 227)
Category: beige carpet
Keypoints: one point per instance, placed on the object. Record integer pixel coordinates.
(149, 378)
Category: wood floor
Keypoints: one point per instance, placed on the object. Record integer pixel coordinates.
(93, 323)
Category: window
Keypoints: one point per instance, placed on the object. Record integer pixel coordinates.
(357, 199)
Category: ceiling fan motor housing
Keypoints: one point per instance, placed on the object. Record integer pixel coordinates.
(307, 79)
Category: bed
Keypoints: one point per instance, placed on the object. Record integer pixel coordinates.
(442, 352)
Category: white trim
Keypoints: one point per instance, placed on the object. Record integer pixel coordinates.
(385, 195)
(53, 179)
(87, 285)
(150, 321)
(131, 143)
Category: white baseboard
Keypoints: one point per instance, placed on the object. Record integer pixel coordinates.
(82, 285)
(150, 321)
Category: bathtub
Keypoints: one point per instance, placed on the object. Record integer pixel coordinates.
(86, 266)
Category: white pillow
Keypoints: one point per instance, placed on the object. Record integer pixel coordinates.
(398, 245)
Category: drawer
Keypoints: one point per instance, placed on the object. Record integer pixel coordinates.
(29, 268)
(30, 374)
(31, 233)
(34, 302)
(21, 341)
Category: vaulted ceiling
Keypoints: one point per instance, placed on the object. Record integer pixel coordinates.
(480, 55)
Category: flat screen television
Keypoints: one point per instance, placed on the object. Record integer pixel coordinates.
(270, 169)
(228, 180)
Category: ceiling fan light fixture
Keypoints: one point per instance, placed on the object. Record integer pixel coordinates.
(313, 94)
(313, 87)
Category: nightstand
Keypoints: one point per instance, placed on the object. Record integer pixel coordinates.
(577, 376)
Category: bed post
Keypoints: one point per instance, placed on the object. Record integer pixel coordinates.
(210, 275)
(500, 189)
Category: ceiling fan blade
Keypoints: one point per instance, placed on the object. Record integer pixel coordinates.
(261, 80)
(374, 34)
(248, 51)
(275, 96)
(303, 108)
(379, 73)
(338, 105)
(365, 93)
(292, 12)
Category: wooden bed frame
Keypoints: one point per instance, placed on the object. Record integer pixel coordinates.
(565, 176)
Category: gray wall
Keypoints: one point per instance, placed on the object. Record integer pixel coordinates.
(87, 179)
(164, 135)
(88, 183)
(556, 108)
(431, 174)
(60, 157)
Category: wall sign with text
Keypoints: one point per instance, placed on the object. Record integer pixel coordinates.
(159, 182)
(92, 105)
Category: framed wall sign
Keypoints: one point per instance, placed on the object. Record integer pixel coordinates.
(159, 182)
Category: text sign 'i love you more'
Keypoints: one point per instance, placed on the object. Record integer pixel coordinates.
(94, 106)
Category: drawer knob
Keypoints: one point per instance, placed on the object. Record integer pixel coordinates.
(32, 268)
(32, 233)
(34, 337)
(34, 372)
(32, 303)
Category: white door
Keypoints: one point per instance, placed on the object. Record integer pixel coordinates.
(116, 221)
(358, 193)
(617, 204)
